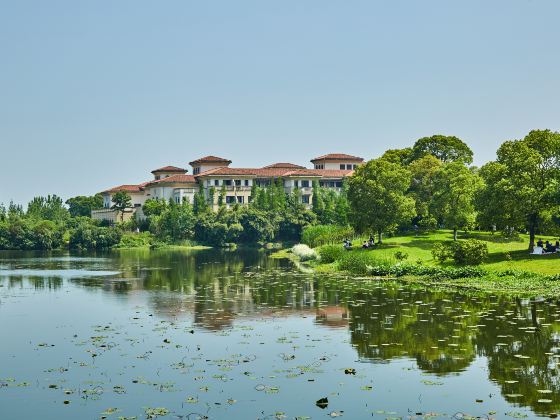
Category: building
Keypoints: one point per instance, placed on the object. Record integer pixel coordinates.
(213, 173)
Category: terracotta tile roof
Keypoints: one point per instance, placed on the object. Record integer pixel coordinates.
(210, 159)
(174, 179)
(324, 173)
(275, 172)
(337, 156)
(129, 188)
(284, 165)
(169, 169)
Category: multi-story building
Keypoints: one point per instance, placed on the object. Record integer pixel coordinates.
(212, 172)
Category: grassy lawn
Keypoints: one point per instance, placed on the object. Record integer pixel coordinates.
(419, 248)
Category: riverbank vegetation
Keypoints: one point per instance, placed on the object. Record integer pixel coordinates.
(406, 193)
(504, 266)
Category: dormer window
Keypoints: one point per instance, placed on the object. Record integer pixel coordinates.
(157, 177)
(196, 170)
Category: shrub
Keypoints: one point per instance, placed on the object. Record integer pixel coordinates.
(442, 251)
(471, 252)
(364, 262)
(89, 236)
(304, 252)
(325, 234)
(136, 240)
(468, 252)
(401, 256)
(331, 253)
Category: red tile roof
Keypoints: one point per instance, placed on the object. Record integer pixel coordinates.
(210, 159)
(337, 156)
(129, 188)
(276, 172)
(284, 165)
(170, 169)
(174, 179)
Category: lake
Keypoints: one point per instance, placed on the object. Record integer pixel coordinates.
(218, 334)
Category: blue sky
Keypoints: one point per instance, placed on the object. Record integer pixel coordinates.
(98, 93)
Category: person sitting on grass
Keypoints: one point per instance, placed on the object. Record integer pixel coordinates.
(371, 241)
(540, 243)
(548, 247)
(365, 245)
(347, 244)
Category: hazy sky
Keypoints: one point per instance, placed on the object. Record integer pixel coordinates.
(95, 94)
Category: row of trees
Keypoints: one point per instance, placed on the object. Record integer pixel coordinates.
(429, 185)
(50, 224)
(272, 215)
(433, 185)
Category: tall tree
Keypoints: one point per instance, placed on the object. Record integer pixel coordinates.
(455, 187)
(376, 192)
(525, 179)
(121, 202)
(400, 156)
(50, 207)
(83, 205)
(445, 148)
(422, 188)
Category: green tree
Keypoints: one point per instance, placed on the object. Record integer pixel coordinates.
(522, 185)
(400, 156)
(200, 204)
(445, 148)
(121, 201)
(82, 205)
(154, 207)
(47, 208)
(376, 192)
(455, 187)
(222, 196)
(422, 189)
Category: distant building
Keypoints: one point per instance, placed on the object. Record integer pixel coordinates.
(171, 182)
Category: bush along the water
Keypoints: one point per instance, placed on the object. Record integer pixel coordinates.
(330, 253)
(468, 252)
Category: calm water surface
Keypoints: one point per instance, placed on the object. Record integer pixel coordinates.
(237, 335)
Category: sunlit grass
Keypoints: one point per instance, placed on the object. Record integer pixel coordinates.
(504, 254)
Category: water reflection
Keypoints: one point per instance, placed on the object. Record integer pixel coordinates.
(443, 333)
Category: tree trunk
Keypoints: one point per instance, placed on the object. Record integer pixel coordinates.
(454, 234)
(379, 237)
(532, 223)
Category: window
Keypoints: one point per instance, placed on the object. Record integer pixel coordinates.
(240, 199)
(178, 199)
(157, 177)
(196, 170)
(348, 166)
(216, 182)
(230, 199)
(305, 184)
(305, 199)
(246, 182)
(321, 166)
(136, 205)
(237, 182)
(342, 166)
(227, 182)
(354, 166)
(296, 183)
(339, 184)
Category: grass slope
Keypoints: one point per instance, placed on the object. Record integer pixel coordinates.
(419, 248)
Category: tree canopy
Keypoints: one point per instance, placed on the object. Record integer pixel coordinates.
(445, 148)
(377, 196)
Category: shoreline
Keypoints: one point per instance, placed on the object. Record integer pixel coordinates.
(515, 284)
